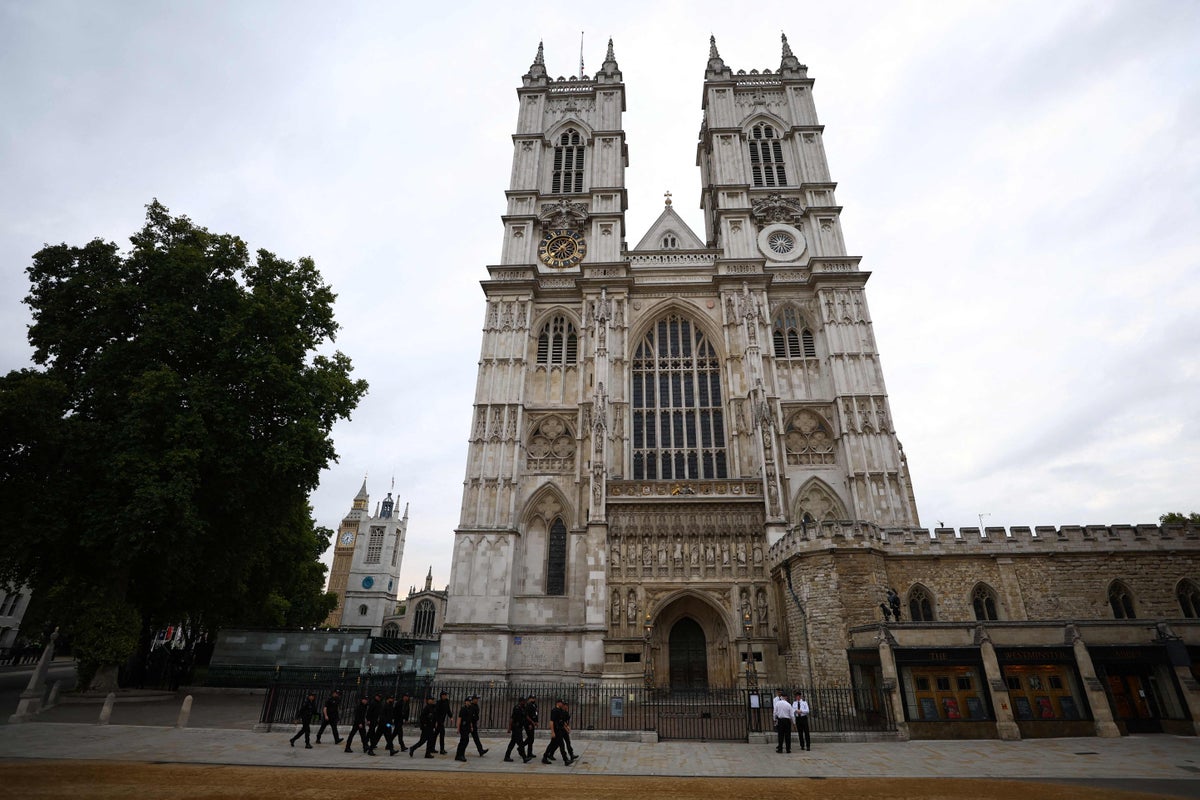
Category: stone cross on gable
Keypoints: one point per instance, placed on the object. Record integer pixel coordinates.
(667, 195)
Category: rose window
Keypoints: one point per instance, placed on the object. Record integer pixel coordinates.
(781, 243)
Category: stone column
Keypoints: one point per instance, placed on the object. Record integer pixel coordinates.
(1097, 699)
(1006, 725)
(891, 680)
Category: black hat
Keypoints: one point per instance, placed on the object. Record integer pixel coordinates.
(445, 694)
(473, 697)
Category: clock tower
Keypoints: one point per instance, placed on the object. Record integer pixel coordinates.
(368, 552)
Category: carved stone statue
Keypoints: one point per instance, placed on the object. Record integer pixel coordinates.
(662, 553)
(695, 555)
(616, 555)
(757, 554)
(741, 554)
(762, 607)
(616, 605)
(725, 554)
(631, 608)
(678, 553)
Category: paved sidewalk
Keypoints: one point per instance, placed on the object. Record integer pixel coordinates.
(221, 733)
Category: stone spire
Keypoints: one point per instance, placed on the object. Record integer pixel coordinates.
(609, 72)
(362, 500)
(789, 64)
(716, 67)
(537, 70)
(429, 579)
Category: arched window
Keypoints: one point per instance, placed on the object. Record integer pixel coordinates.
(423, 619)
(766, 156)
(556, 559)
(1121, 601)
(983, 599)
(920, 604)
(362, 610)
(791, 338)
(1189, 599)
(678, 421)
(391, 631)
(670, 242)
(568, 163)
(558, 344)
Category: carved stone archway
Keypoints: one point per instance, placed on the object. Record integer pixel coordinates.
(693, 609)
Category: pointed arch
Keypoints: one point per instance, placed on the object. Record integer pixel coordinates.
(1120, 599)
(556, 341)
(819, 502)
(546, 519)
(1187, 592)
(570, 142)
(808, 439)
(791, 336)
(921, 606)
(677, 400)
(985, 602)
(764, 135)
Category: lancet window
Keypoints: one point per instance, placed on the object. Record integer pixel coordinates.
(983, 600)
(766, 156)
(423, 619)
(556, 559)
(568, 163)
(558, 343)
(920, 605)
(1121, 600)
(792, 339)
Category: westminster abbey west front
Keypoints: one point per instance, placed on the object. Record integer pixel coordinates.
(683, 468)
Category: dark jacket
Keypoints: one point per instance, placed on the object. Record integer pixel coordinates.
(519, 718)
(428, 717)
(531, 713)
(402, 711)
(387, 714)
(332, 707)
(308, 710)
(465, 715)
(373, 710)
(360, 714)
(443, 711)
(556, 720)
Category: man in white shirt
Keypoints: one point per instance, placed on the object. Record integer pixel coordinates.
(801, 709)
(784, 715)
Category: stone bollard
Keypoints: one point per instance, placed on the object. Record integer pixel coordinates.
(185, 711)
(106, 711)
(52, 700)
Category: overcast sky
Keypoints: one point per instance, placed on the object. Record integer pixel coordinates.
(1021, 178)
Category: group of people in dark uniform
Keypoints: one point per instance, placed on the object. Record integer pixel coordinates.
(377, 718)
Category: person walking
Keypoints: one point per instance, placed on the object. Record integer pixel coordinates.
(374, 726)
(475, 714)
(359, 725)
(304, 715)
(464, 730)
(443, 713)
(428, 723)
(387, 725)
(556, 732)
(567, 750)
(517, 723)
(402, 709)
(784, 715)
(802, 710)
(531, 722)
(329, 716)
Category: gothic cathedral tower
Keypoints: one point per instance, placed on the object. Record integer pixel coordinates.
(648, 421)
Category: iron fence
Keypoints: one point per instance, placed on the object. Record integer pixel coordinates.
(714, 714)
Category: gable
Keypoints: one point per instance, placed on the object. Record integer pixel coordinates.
(669, 223)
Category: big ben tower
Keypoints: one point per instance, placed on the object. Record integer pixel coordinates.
(648, 421)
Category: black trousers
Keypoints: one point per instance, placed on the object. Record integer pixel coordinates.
(802, 733)
(361, 729)
(428, 738)
(464, 736)
(332, 725)
(304, 731)
(517, 740)
(441, 735)
(529, 732)
(784, 726)
(566, 745)
(555, 744)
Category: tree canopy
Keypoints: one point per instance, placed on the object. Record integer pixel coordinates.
(1179, 517)
(157, 465)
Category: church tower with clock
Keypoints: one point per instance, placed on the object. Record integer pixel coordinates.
(368, 553)
(649, 421)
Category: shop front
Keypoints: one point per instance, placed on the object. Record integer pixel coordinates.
(1142, 690)
(1045, 692)
(944, 693)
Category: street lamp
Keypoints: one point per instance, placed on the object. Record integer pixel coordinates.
(751, 671)
(648, 653)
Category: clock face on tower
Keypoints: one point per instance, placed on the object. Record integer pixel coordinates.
(562, 249)
(348, 537)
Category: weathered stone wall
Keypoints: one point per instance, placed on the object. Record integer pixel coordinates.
(840, 573)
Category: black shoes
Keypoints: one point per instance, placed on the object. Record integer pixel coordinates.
(509, 760)
(545, 760)
(443, 752)
(308, 747)
(483, 752)
(429, 755)
(410, 751)
(464, 760)
(526, 759)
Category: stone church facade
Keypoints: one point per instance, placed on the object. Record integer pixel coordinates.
(683, 467)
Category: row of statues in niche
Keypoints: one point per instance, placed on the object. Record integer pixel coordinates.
(758, 612)
(665, 553)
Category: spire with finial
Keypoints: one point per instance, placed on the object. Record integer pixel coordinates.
(537, 70)
(667, 197)
(716, 67)
(429, 579)
(789, 63)
(362, 499)
(609, 72)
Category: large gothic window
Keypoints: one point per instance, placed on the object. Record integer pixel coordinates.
(375, 546)
(792, 339)
(556, 559)
(568, 163)
(1188, 594)
(558, 343)
(678, 422)
(983, 600)
(766, 156)
(920, 605)
(423, 619)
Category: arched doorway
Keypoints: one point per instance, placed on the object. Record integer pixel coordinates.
(688, 655)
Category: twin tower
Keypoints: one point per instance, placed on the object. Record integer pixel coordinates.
(648, 421)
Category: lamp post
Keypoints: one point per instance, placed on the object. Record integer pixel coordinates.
(648, 653)
(751, 671)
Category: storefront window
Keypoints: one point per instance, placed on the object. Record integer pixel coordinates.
(944, 693)
(1044, 692)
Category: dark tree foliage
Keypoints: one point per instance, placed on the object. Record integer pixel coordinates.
(161, 459)
(1179, 517)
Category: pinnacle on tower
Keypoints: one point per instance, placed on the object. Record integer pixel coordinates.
(789, 63)
(537, 70)
(716, 67)
(609, 72)
(787, 51)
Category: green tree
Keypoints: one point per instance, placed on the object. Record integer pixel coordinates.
(1176, 516)
(158, 465)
